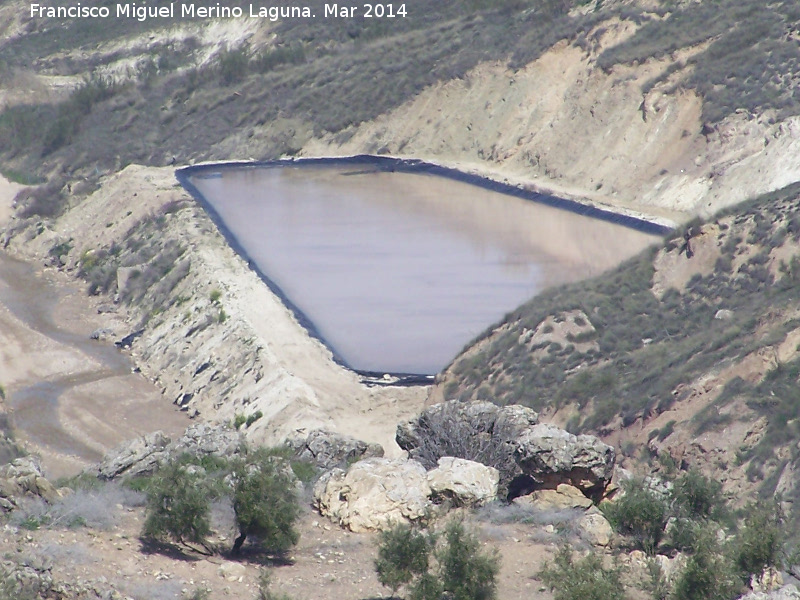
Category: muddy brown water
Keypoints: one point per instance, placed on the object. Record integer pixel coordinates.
(397, 271)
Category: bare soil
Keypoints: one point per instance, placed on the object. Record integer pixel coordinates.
(327, 562)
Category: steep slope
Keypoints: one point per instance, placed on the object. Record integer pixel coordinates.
(689, 351)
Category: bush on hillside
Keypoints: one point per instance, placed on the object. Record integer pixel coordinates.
(640, 514)
(709, 574)
(697, 496)
(461, 570)
(178, 505)
(759, 544)
(582, 579)
(264, 502)
(404, 554)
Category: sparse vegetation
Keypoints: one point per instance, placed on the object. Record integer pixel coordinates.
(264, 592)
(403, 555)
(178, 505)
(583, 579)
(451, 564)
(640, 514)
(261, 488)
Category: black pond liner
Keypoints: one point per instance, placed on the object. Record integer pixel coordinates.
(370, 163)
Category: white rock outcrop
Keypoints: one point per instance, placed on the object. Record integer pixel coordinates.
(465, 482)
(374, 493)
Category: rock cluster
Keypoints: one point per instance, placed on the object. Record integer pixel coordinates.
(463, 454)
(327, 449)
(552, 456)
(23, 477)
(377, 492)
(511, 439)
(144, 455)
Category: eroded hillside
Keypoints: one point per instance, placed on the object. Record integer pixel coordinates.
(636, 104)
(684, 357)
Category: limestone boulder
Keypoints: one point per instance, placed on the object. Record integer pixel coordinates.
(232, 571)
(769, 580)
(144, 455)
(327, 449)
(374, 493)
(551, 455)
(23, 477)
(141, 456)
(464, 482)
(787, 592)
(595, 529)
(203, 440)
(564, 497)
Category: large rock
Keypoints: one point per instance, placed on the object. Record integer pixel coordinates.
(564, 497)
(478, 431)
(465, 482)
(511, 439)
(144, 455)
(552, 456)
(327, 449)
(208, 440)
(23, 477)
(595, 529)
(141, 456)
(374, 494)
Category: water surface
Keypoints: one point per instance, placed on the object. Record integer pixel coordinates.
(397, 271)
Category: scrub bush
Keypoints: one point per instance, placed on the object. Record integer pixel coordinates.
(640, 514)
(759, 544)
(265, 502)
(584, 579)
(461, 569)
(404, 554)
(178, 505)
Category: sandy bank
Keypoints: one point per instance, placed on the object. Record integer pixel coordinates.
(8, 190)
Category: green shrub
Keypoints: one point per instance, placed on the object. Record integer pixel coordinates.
(465, 571)
(178, 505)
(640, 514)
(584, 579)
(684, 533)
(253, 418)
(759, 544)
(233, 64)
(404, 554)
(696, 496)
(708, 574)
(264, 502)
(462, 570)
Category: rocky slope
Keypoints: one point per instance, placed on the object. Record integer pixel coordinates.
(686, 357)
